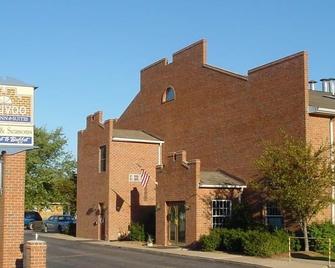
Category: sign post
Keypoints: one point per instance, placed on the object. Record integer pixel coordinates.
(16, 136)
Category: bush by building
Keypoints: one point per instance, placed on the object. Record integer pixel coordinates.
(136, 232)
(250, 242)
(322, 232)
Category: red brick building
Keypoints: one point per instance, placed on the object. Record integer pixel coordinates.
(109, 191)
(222, 120)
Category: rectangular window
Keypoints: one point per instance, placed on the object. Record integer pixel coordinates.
(134, 177)
(274, 218)
(221, 212)
(102, 158)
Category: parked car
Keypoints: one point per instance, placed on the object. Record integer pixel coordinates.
(58, 224)
(30, 217)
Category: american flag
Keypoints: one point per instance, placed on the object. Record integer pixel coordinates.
(144, 178)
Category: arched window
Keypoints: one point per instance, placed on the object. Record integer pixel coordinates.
(169, 95)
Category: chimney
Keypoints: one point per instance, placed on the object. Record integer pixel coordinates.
(325, 85)
(312, 84)
(331, 82)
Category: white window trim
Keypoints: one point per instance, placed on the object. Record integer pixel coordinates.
(221, 216)
(132, 176)
(271, 215)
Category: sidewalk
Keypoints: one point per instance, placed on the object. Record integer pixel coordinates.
(218, 256)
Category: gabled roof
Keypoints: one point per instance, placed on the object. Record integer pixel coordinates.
(10, 81)
(134, 136)
(219, 179)
(321, 99)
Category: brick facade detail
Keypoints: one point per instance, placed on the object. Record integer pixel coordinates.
(12, 211)
(124, 202)
(178, 181)
(35, 252)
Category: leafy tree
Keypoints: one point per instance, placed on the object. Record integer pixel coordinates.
(298, 178)
(50, 171)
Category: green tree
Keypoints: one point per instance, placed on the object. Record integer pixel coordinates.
(298, 178)
(50, 171)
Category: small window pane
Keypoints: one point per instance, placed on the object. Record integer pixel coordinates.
(169, 94)
(221, 212)
(102, 156)
(134, 178)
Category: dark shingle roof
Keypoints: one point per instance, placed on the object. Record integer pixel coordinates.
(321, 99)
(134, 135)
(10, 81)
(220, 179)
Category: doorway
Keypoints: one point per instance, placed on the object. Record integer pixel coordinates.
(176, 223)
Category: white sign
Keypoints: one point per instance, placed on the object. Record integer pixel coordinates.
(16, 116)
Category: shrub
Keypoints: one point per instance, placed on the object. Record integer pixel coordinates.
(232, 240)
(136, 232)
(265, 244)
(253, 242)
(322, 232)
(212, 241)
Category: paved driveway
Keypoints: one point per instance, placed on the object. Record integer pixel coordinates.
(82, 254)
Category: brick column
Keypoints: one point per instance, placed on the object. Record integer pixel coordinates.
(35, 253)
(12, 210)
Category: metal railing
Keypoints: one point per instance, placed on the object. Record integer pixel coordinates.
(310, 238)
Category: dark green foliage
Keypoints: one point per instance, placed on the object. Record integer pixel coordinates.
(212, 241)
(232, 240)
(136, 232)
(250, 242)
(322, 232)
(241, 217)
(265, 244)
(50, 172)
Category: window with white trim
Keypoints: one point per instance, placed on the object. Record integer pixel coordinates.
(221, 212)
(274, 217)
(134, 178)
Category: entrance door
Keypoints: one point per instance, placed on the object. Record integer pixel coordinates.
(176, 222)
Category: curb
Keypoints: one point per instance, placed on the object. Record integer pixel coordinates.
(158, 252)
(188, 256)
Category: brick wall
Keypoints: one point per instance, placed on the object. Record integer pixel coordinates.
(12, 211)
(125, 202)
(178, 181)
(35, 254)
(126, 158)
(92, 185)
(220, 117)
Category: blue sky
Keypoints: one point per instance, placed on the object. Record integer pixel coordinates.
(86, 55)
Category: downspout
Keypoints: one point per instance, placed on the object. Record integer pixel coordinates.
(160, 154)
(331, 132)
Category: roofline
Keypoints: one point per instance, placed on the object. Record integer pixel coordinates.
(298, 54)
(13, 85)
(136, 140)
(220, 70)
(222, 186)
(320, 110)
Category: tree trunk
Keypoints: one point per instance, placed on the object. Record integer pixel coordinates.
(304, 226)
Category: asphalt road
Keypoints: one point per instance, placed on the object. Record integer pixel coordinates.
(81, 254)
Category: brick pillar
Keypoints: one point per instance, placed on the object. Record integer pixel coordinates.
(35, 253)
(12, 211)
